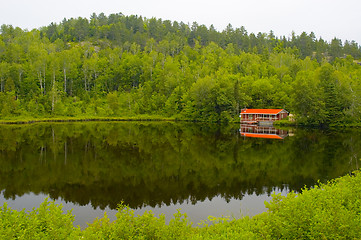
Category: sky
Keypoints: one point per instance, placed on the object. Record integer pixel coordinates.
(326, 18)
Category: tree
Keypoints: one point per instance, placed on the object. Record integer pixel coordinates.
(332, 94)
(54, 66)
(336, 48)
(308, 99)
(4, 71)
(8, 104)
(68, 62)
(113, 102)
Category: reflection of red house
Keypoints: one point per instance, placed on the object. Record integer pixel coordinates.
(256, 131)
(252, 116)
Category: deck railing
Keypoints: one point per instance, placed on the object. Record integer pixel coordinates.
(260, 119)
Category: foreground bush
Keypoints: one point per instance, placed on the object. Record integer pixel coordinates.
(330, 211)
(327, 211)
(46, 222)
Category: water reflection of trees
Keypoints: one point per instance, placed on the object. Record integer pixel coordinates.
(163, 163)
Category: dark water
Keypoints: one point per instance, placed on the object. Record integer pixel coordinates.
(202, 169)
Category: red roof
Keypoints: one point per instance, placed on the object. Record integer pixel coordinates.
(261, 111)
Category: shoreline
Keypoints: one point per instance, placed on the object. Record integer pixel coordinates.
(85, 119)
(145, 118)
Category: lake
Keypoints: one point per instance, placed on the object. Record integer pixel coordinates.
(202, 169)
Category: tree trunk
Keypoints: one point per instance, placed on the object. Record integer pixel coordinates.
(64, 81)
(71, 87)
(85, 88)
(53, 93)
(41, 82)
(44, 82)
(2, 85)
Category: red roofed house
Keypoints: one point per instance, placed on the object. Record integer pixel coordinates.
(253, 116)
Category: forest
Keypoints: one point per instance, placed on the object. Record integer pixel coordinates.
(121, 66)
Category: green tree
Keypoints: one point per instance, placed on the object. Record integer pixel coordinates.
(336, 48)
(113, 102)
(308, 99)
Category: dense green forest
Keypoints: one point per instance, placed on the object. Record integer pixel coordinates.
(120, 66)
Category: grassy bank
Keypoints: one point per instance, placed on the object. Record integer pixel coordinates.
(280, 123)
(287, 123)
(327, 211)
(83, 119)
(284, 123)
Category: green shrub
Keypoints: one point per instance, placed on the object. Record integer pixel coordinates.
(327, 211)
(46, 222)
(146, 226)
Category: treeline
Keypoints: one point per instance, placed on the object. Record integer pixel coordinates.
(120, 30)
(128, 65)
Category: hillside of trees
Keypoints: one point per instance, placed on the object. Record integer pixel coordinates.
(121, 66)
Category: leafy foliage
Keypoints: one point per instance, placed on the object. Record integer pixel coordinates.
(46, 222)
(124, 66)
(327, 211)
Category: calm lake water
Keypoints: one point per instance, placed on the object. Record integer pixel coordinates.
(202, 169)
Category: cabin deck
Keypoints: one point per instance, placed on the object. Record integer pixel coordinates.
(262, 116)
(258, 122)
